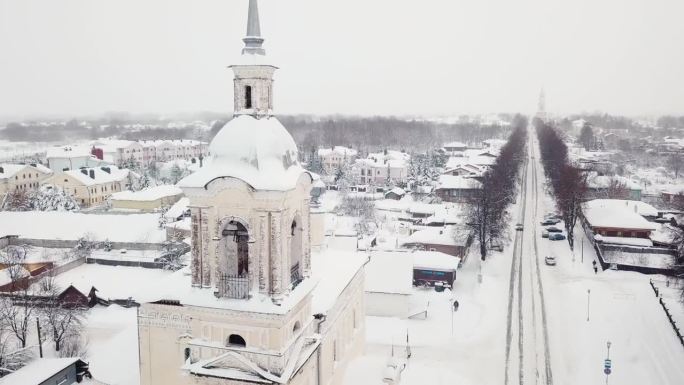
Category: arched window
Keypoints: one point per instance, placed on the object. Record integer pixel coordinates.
(236, 340)
(248, 97)
(187, 354)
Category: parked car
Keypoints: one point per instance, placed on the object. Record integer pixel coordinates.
(550, 261)
(550, 221)
(554, 229)
(556, 237)
(519, 227)
(545, 234)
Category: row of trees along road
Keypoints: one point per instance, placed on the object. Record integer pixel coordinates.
(488, 215)
(568, 184)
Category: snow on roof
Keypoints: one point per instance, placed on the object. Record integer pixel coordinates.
(455, 145)
(389, 272)
(10, 169)
(397, 190)
(666, 234)
(148, 194)
(458, 182)
(259, 152)
(447, 236)
(618, 213)
(5, 276)
(638, 258)
(604, 181)
(434, 260)
(38, 370)
(422, 208)
(101, 176)
(334, 269)
(112, 145)
(643, 242)
(72, 226)
(68, 152)
(476, 160)
(339, 150)
(178, 208)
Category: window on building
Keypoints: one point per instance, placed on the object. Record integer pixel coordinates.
(236, 340)
(296, 327)
(248, 97)
(186, 354)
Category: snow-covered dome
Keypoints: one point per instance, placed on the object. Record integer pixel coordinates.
(258, 151)
(264, 144)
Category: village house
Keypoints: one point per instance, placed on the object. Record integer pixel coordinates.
(148, 199)
(22, 177)
(395, 194)
(454, 148)
(334, 158)
(451, 240)
(465, 169)
(603, 186)
(91, 186)
(117, 152)
(257, 305)
(611, 218)
(383, 168)
(170, 150)
(63, 158)
(457, 188)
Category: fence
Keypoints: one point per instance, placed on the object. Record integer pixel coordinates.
(667, 313)
(232, 286)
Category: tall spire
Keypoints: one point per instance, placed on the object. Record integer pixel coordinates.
(253, 40)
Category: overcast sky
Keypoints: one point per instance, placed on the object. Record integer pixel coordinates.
(399, 57)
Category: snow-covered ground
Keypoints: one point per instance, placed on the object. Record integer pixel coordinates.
(142, 228)
(584, 310)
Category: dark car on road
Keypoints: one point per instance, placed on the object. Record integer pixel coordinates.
(554, 229)
(556, 237)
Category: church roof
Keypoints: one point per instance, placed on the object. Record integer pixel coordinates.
(259, 152)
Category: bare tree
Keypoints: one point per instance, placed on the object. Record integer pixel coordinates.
(617, 190)
(675, 163)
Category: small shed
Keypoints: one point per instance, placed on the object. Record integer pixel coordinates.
(432, 267)
(396, 193)
(388, 284)
(50, 371)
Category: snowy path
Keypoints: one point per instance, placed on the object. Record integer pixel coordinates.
(527, 329)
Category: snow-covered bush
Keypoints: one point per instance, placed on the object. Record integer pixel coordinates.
(45, 198)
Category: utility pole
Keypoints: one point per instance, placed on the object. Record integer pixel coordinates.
(582, 249)
(607, 365)
(588, 300)
(40, 341)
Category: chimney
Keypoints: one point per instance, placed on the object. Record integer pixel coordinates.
(92, 174)
(84, 171)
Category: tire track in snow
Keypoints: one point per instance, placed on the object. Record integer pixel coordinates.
(547, 355)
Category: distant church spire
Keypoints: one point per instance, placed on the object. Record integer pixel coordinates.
(541, 105)
(253, 40)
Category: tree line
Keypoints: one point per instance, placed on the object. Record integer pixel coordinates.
(568, 183)
(488, 214)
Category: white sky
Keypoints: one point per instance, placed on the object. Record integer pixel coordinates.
(345, 56)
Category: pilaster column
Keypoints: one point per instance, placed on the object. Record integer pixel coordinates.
(206, 240)
(276, 244)
(306, 239)
(196, 236)
(263, 253)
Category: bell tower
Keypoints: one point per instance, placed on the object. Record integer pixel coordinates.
(253, 82)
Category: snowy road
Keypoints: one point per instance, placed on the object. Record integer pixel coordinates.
(560, 318)
(527, 348)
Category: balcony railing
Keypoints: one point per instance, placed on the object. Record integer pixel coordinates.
(233, 286)
(295, 275)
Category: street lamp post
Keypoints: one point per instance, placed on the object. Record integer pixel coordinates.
(588, 301)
